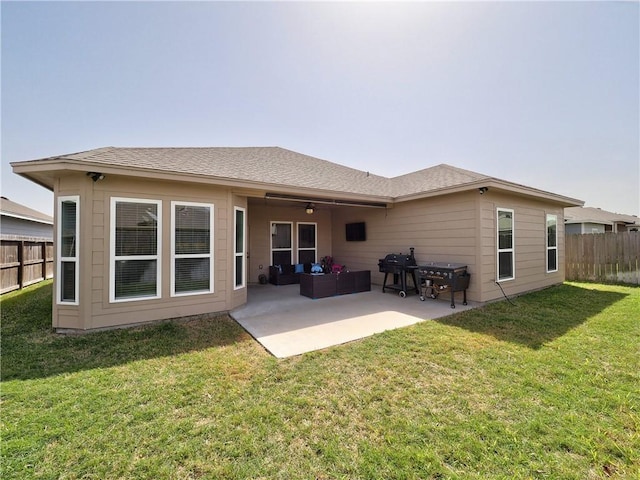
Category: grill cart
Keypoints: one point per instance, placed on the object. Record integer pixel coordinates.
(401, 266)
(437, 278)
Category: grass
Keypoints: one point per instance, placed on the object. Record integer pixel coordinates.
(548, 388)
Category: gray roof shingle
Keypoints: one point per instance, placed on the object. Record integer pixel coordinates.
(272, 167)
(434, 178)
(597, 215)
(13, 209)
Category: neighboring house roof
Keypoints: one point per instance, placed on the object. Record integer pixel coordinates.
(13, 209)
(271, 168)
(597, 215)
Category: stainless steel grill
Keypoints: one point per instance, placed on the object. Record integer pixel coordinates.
(437, 278)
(400, 266)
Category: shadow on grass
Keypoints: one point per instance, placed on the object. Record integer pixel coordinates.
(31, 350)
(536, 318)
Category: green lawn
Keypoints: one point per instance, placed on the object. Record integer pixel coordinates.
(546, 388)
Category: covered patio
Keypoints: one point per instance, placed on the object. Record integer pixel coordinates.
(287, 323)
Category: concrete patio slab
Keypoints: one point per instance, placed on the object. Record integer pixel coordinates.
(287, 323)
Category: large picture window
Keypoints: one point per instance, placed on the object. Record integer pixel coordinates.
(307, 242)
(240, 247)
(506, 251)
(68, 235)
(552, 243)
(281, 243)
(191, 248)
(135, 249)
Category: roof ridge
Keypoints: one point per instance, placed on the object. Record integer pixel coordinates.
(196, 148)
(444, 166)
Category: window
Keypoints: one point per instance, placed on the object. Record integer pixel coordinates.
(240, 241)
(191, 248)
(306, 243)
(135, 249)
(552, 243)
(281, 244)
(506, 264)
(67, 264)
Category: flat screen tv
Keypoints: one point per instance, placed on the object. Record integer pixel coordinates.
(356, 232)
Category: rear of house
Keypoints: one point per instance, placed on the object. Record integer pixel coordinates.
(151, 234)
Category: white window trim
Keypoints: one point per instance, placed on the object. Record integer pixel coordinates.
(244, 247)
(60, 258)
(112, 251)
(175, 256)
(315, 240)
(512, 250)
(271, 249)
(546, 259)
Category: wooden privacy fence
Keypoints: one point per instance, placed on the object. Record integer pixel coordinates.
(603, 257)
(24, 262)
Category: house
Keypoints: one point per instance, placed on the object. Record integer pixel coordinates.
(595, 220)
(145, 234)
(26, 246)
(19, 222)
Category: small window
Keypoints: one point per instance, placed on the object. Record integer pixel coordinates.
(191, 248)
(552, 243)
(135, 249)
(506, 251)
(240, 241)
(68, 247)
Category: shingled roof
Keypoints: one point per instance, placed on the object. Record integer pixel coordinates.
(438, 177)
(269, 167)
(16, 210)
(597, 215)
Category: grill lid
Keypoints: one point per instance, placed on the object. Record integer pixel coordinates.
(399, 259)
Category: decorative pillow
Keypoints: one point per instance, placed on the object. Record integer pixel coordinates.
(299, 268)
(316, 268)
(279, 268)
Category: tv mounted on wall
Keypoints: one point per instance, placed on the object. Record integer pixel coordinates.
(356, 232)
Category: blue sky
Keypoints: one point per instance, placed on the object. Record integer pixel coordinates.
(540, 93)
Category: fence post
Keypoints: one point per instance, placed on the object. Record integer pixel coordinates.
(44, 260)
(21, 262)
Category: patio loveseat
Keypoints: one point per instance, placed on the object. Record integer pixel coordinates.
(287, 274)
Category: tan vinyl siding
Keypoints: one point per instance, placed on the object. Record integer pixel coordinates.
(440, 229)
(458, 228)
(67, 319)
(529, 244)
(74, 316)
(95, 310)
